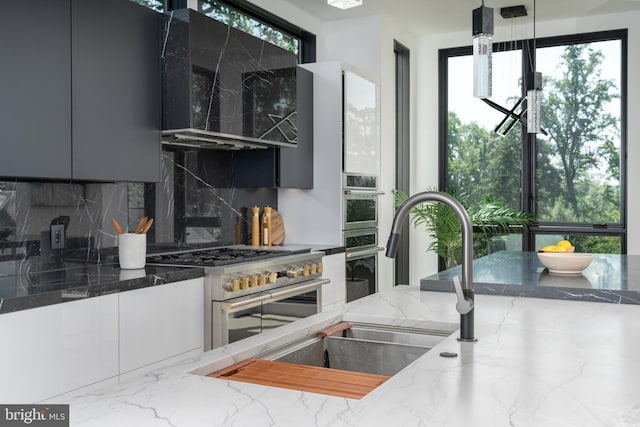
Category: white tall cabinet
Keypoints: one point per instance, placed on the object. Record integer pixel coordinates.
(361, 144)
(346, 111)
(315, 215)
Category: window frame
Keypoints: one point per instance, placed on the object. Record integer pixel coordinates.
(307, 52)
(528, 201)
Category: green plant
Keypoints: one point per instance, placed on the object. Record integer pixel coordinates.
(490, 217)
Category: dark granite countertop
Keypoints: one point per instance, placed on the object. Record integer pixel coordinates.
(610, 278)
(35, 282)
(326, 249)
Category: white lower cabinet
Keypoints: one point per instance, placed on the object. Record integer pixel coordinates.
(334, 294)
(58, 349)
(160, 322)
(55, 349)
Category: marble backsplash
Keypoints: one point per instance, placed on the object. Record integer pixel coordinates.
(186, 206)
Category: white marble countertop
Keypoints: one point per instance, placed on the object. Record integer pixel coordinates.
(536, 363)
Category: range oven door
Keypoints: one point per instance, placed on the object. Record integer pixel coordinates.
(362, 275)
(243, 317)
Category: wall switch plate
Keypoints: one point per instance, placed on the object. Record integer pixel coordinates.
(57, 236)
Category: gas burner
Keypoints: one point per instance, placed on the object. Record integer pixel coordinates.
(215, 257)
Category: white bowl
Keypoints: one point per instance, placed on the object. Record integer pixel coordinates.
(565, 262)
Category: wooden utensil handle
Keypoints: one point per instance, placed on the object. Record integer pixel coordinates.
(147, 226)
(141, 225)
(116, 226)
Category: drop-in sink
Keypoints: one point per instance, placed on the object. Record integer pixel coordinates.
(373, 349)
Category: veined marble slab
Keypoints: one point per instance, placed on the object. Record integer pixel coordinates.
(536, 363)
(610, 278)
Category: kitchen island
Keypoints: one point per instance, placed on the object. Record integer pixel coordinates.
(610, 278)
(536, 363)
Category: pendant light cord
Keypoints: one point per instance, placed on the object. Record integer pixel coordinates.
(534, 36)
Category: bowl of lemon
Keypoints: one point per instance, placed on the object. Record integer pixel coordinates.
(561, 258)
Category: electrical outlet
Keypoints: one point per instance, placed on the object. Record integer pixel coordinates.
(57, 236)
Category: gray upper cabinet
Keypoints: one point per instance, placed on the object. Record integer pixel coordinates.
(81, 91)
(35, 89)
(116, 101)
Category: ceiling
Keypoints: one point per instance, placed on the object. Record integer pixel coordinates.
(438, 16)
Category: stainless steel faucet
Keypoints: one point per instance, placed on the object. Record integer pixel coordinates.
(464, 292)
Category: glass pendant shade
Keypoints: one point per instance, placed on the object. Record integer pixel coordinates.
(482, 32)
(482, 49)
(534, 102)
(344, 4)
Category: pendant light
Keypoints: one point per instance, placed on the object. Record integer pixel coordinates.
(344, 4)
(482, 31)
(534, 87)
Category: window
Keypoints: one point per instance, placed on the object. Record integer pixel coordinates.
(262, 24)
(572, 178)
(241, 21)
(157, 5)
(251, 19)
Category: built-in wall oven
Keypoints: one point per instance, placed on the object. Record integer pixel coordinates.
(361, 263)
(360, 201)
(360, 234)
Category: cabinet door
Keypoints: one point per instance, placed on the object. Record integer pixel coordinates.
(52, 350)
(334, 294)
(361, 125)
(35, 88)
(160, 322)
(283, 167)
(116, 91)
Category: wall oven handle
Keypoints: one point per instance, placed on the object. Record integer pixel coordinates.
(366, 252)
(298, 290)
(363, 193)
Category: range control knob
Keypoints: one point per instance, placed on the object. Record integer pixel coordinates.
(273, 276)
(254, 281)
(320, 267)
(305, 270)
(244, 283)
(235, 285)
(314, 268)
(262, 279)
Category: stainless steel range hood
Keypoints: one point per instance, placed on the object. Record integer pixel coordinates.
(201, 139)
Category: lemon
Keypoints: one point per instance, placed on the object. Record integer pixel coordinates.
(564, 244)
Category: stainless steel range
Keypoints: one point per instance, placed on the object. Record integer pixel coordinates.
(249, 290)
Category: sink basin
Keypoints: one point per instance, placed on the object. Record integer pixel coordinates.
(347, 359)
(366, 348)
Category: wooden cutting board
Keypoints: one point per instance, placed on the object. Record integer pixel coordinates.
(334, 382)
(277, 228)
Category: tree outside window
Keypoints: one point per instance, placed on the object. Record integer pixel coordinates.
(236, 19)
(572, 179)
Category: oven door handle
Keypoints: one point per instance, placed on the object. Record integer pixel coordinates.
(360, 254)
(298, 290)
(248, 303)
(363, 193)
